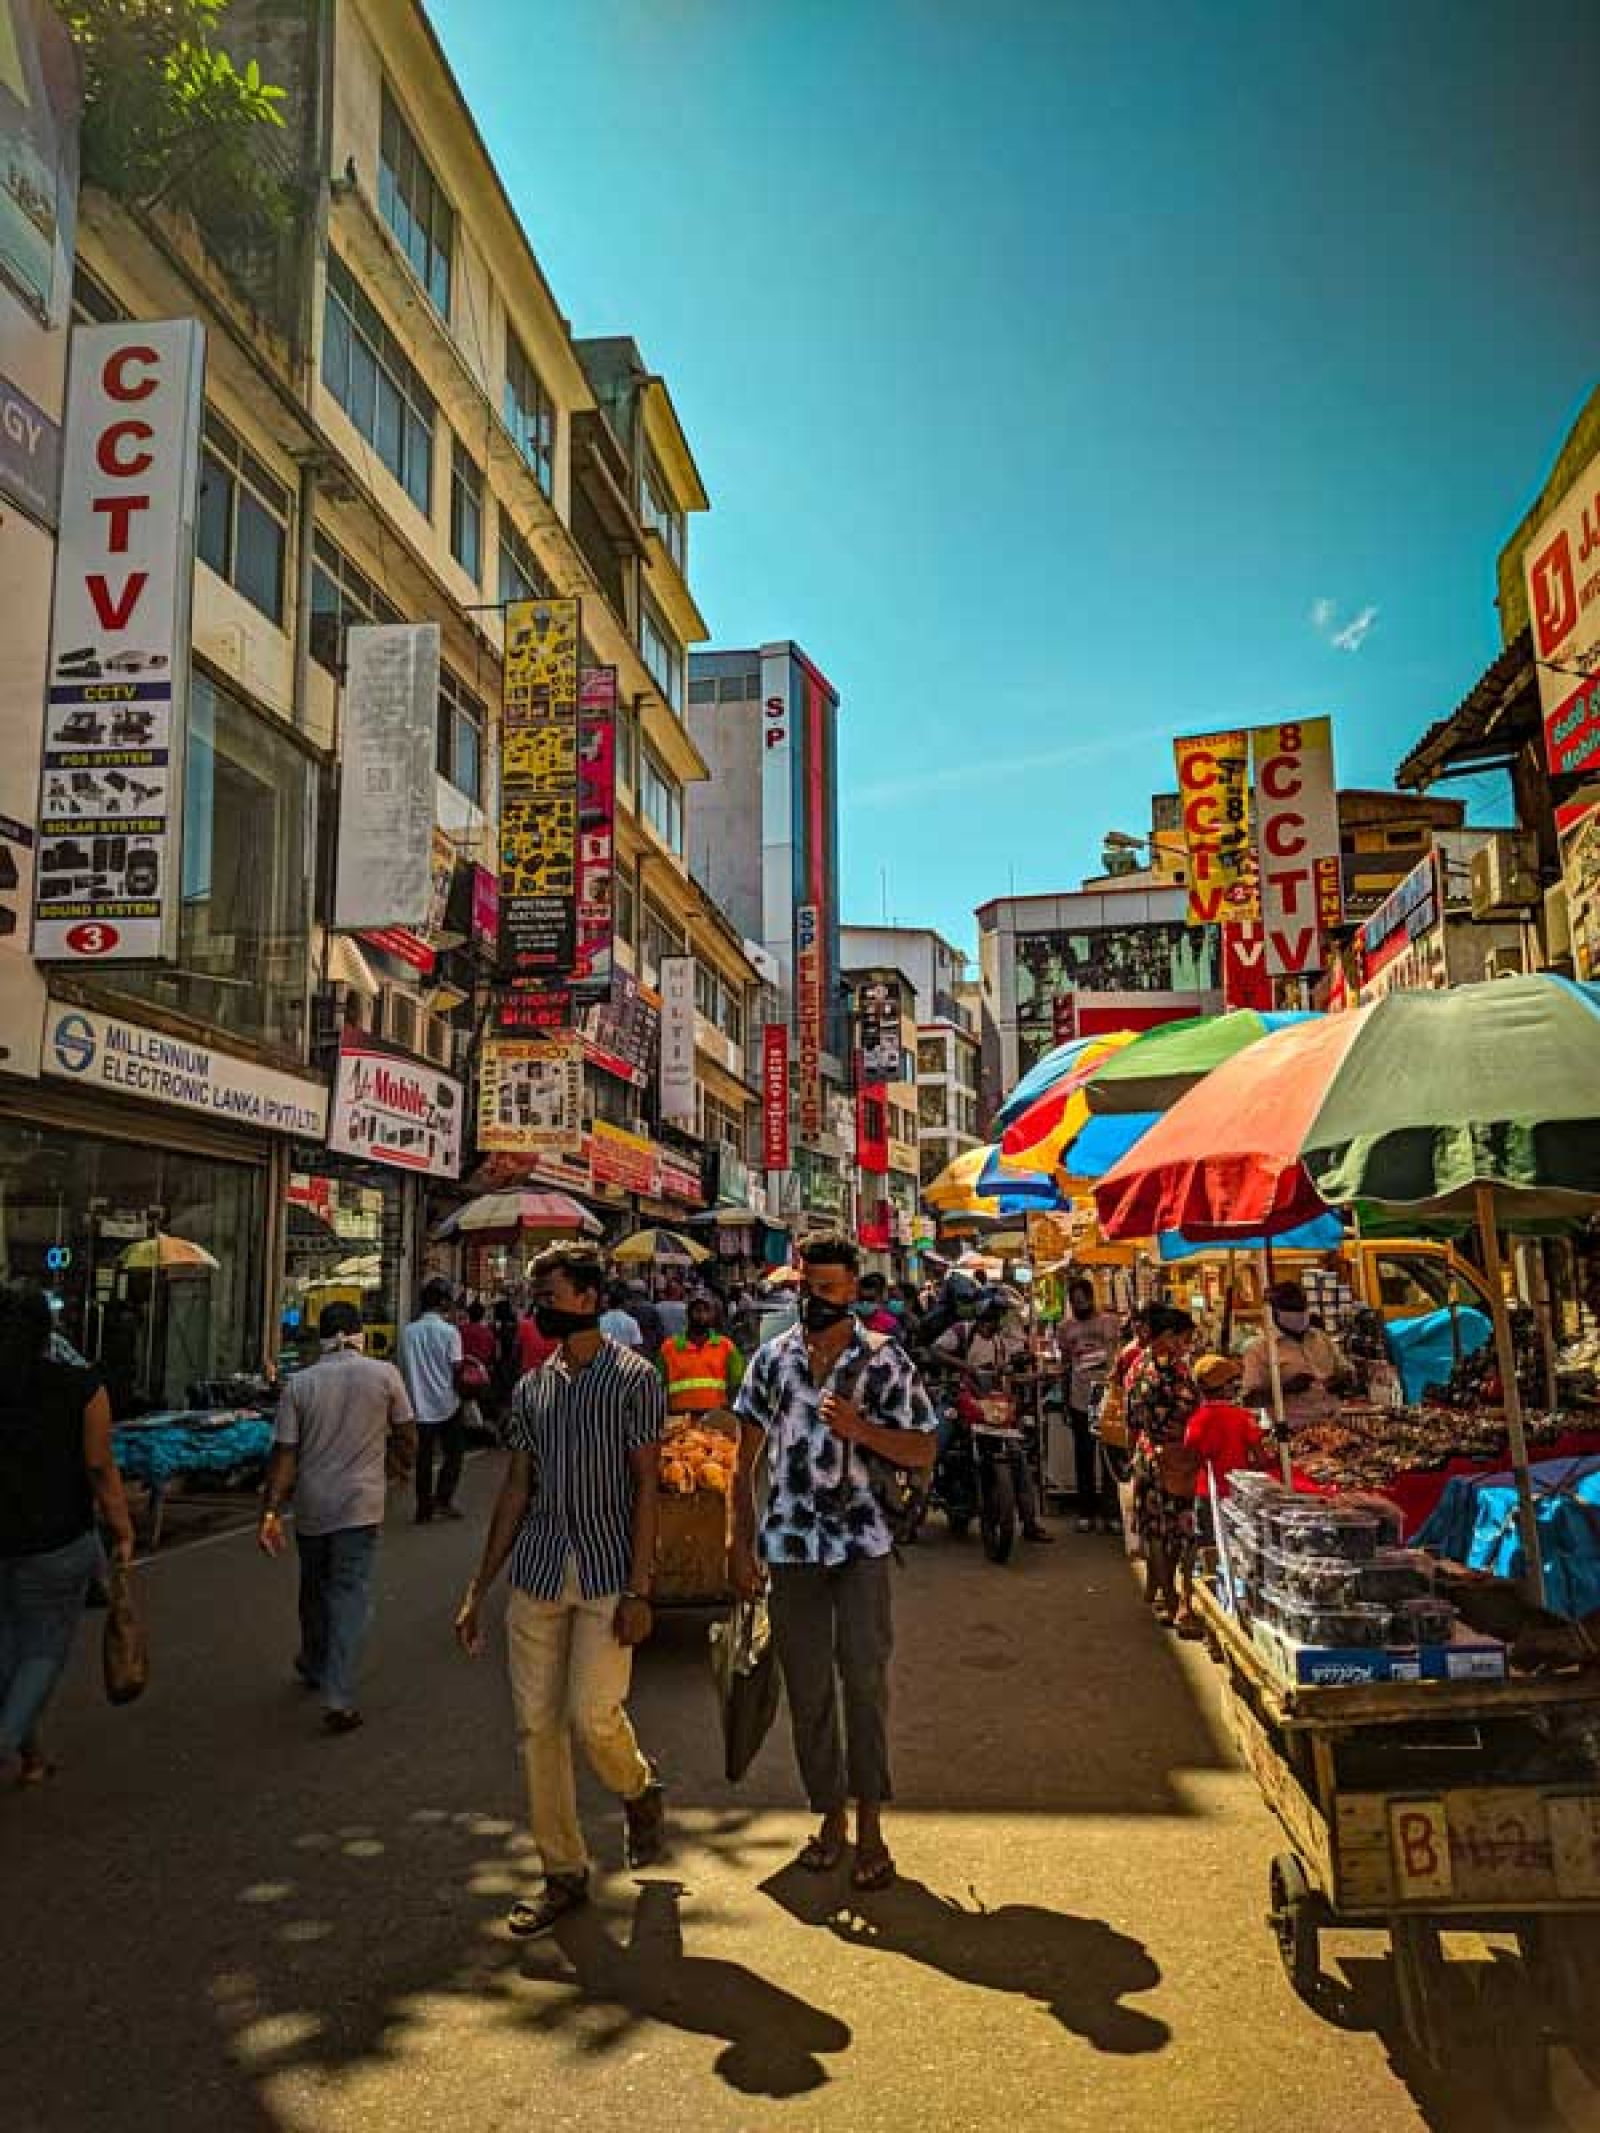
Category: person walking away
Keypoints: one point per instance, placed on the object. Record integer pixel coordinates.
(507, 1362)
(343, 1426)
(700, 1367)
(1161, 1398)
(58, 1473)
(1310, 1368)
(430, 1356)
(985, 1353)
(617, 1322)
(1222, 1436)
(818, 1404)
(637, 1302)
(1086, 1341)
(477, 1337)
(576, 1517)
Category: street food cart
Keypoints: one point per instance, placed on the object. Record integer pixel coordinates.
(698, 1460)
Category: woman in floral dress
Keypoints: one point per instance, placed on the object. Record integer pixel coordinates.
(1161, 1397)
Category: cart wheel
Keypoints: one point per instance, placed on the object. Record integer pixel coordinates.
(1296, 1918)
(1516, 2053)
(1419, 1984)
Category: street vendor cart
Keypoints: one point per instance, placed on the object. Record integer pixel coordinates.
(1430, 1806)
(698, 1460)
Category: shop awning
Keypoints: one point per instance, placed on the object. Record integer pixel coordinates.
(1498, 714)
(349, 967)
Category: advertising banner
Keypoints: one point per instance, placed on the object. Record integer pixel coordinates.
(677, 1039)
(597, 831)
(125, 1059)
(679, 1177)
(530, 1096)
(617, 1157)
(530, 1008)
(808, 1015)
(872, 1128)
(878, 1014)
(774, 1097)
(1064, 1017)
(1562, 565)
(621, 1034)
(383, 873)
(107, 886)
(1295, 810)
(1401, 944)
(539, 792)
(1580, 871)
(396, 1111)
(1245, 982)
(1214, 790)
(40, 107)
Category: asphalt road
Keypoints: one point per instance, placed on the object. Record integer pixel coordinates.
(217, 1919)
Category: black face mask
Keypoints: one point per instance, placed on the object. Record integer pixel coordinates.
(817, 1315)
(558, 1325)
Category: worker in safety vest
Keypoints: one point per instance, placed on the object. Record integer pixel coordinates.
(702, 1367)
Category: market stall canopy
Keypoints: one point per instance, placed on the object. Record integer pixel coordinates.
(1043, 1075)
(167, 1255)
(660, 1247)
(1034, 1137)
(1164, 1063)
(506, 1213)
(997, 1181)
(957, 1196)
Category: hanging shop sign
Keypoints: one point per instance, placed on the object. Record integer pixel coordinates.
(1214, 790)
(677, 1038)
(384, 871)
(125, 1059)
(530, 1096)
(872, 1128)
(1295, 811)
(808, 1015)
(1402, 943)
(679, 1177)
(539, 792)
(1245, 982)
(1562, 565)
(620, 1035)
(484, 907)
(107, 886)
(597, 832)
(878, 1013)
(774, 1097)
(532, 1010)
(30, 454)
(617, 1157)
(396, 1111)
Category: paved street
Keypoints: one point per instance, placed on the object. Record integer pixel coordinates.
(217, 1919)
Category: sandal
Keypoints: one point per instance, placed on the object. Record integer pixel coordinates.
(820, 1855)
(870, 1875)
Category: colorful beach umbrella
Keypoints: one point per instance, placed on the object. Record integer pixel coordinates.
(1164, 1063)
(1042, 1075)
(1035, 1137)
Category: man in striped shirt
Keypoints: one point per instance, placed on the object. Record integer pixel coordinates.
(576, 1515)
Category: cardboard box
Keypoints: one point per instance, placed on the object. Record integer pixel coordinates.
(1468, 1658)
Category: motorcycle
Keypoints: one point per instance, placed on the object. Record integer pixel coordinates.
(954, 1486)
(987, 1467)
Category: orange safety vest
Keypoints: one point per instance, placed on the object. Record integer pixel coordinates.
(697, 1377)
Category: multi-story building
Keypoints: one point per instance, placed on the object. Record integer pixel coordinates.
(399, 427)
(764, 840)
(883, 1046)
(947, 1040)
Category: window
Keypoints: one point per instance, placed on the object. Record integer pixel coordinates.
(1412, 1287)
(460, 750)
(732, 1023)
(703, 692)
(660, 514)
(372, 378)
(661, 800)
(627, 747)
(242, 526)
(740, 688)
(625, 908)
(932, 1098)
(416, 210)
(520, 575)
(466, 511)
(658, 937)
(707, 992)
(92, 302)
(930, 1055)
(530, 414)
(340, 595)
(663, 655)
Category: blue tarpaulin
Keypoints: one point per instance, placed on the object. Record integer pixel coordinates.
(1476, 1524)
(1424, 1352)
(154, 1451)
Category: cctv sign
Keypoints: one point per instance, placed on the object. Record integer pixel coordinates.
(1295, 810)
(106, 886)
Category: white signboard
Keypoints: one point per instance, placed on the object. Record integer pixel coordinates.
(384, 873)
(106, 887)
(1294, 808)
(677, 1038)
(1562, 564)
(126, 1059)
(396, 1111)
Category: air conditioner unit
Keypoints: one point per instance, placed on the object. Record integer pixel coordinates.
(1505, 880)
(1558, 930)
(402, 1018)
(437, 1034)
(1503, 962)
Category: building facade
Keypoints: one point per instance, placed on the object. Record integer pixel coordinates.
(947, 1039)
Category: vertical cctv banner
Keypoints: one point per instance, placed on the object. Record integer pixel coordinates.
(1295, 808)
(1214, 787)
(386, 867)
(107, 886)
(677, 1038)
(597, 832)
(774, 1096)
(539, 794)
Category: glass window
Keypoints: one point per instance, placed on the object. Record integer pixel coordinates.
(628, 747)
(411, 203)
(466, 511)
(92, 302)
(707, 992)
(661, 799)
(460, 746)
(625, 908)
(530, 414)
(930, 1055)
(520, 575)
(658, 937)
(340, 595)
(1412, 1287)
(244, 933)
(703, 692)
(242, 524)
(374, 381)
(662, 654)
(658, 510)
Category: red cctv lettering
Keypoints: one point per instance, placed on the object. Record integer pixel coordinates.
(114, 379)
(115, 610)
(122, 452)
(108, 452)
(120, 510)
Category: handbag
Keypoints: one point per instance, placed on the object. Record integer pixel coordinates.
(744, 1666)
(1111, 1423)
(125, 1649)
(472, 1376)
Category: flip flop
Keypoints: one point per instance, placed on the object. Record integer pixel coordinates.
(870, 1875)
(818, 1856)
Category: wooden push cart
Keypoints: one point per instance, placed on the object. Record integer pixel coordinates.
(1433, 1806)
(693, 1538)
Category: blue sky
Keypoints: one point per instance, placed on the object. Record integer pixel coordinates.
(1068, 376)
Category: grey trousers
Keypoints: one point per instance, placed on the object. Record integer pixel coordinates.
(834, 1632)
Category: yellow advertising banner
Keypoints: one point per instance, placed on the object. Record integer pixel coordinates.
(530, 1096)
(539, 791)
(1214, 785)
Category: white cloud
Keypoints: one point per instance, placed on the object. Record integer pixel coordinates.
(1356, 632)
(1322, 614)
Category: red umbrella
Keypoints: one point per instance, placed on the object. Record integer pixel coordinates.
(1225, 1160)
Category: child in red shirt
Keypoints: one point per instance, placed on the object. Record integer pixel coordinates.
(1223, 1435)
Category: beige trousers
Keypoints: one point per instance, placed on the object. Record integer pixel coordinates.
(569, 1675)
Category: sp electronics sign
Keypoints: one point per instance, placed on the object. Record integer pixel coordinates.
(808, 1014)
(1296, 815)
(106, 886)
(1562, 565)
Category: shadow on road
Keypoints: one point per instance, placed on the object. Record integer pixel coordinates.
(1078, 1969)
(775, 2041)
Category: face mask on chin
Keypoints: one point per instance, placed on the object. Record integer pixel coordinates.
(558, 1325)
(817, 1315)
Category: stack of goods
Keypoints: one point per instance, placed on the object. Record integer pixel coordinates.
(1369, 1447)
(694, 1458)
(1475, 1380)
(1330, 1594)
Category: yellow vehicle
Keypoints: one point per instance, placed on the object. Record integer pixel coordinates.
(1403, 1277)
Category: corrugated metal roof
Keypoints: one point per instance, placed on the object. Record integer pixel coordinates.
(1498, 712)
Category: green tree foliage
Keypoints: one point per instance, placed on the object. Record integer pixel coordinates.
(169, 117)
